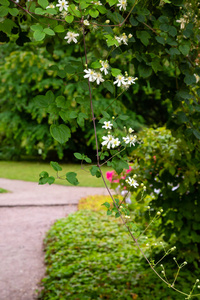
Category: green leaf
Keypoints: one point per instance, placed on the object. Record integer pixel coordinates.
(109, 86)
(117, 215)
(3, 11)
(55, 166)
(106, 204)
(73, 115)
(60, 133)
(81, 119)
(160, 40)
(13, 11)
(93, 13)
(196, 133)
(123, 117)
(44, 174)
(115, 72)
(144, 70)
(144, 36)
(61, 101)
(109, 212)
(189, 79)
(51, 180)
(38, 35)
(59, 28)
(69, 19)
(96, 65)
(51, 11)
(43, 3)
(184, 49)
(88, 160)
(49, 31)
(71, 178)
(133, 21)
(40, 11)
(101, 9)
(95, 171)
(36, 27)
(78, 155)
(4, 2)
(41, 101)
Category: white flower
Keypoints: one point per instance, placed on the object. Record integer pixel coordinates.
(105, 67)
(130, 130)
(99, 78)
(115, 142)
(107, 141)
(124, 38)
(120, 80)
(132, 182)
(90, 74)
(130, 139)
(131, 80)
(122, 4)
(85, 22)
(62, 4)
(197, 78)
(118, 38)
(51, 5)
(64, 14)
(182, 21)
(107, 125)
(71, 37)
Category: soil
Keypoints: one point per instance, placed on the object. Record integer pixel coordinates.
(26, 214)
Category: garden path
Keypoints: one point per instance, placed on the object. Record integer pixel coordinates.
(26, 213)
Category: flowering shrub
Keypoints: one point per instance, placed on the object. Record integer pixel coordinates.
(111, 23)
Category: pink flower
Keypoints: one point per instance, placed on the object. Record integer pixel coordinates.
(109, 175)
(129, 170)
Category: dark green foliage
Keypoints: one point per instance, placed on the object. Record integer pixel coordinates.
(170, 169)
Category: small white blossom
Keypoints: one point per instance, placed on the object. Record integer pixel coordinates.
(90, 74)
(182, 22)
(107, 125)
(132, 182)
(124, 38)
(122, 4)
(118, 38)
(197, 78)
(131, 80)
(127, 217)
(130, 130)
(51, 5)
(130, 139)
(107, 141)
(86, 23)
(71, 37)
(105, 67)
(99, 78)
(115, 142)
(63, 5)
(120, 80)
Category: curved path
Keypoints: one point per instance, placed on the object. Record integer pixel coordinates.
(26, 213)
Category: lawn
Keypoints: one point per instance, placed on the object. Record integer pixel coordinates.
(29, 171)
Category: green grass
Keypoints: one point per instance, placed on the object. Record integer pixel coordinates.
(29, 171)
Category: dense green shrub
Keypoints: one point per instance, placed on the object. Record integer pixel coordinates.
(90, 256)
(169, 168)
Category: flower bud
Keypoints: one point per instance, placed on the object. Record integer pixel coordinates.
(130, 36)
(107, 21)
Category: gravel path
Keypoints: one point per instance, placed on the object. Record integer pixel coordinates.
(26, 213)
